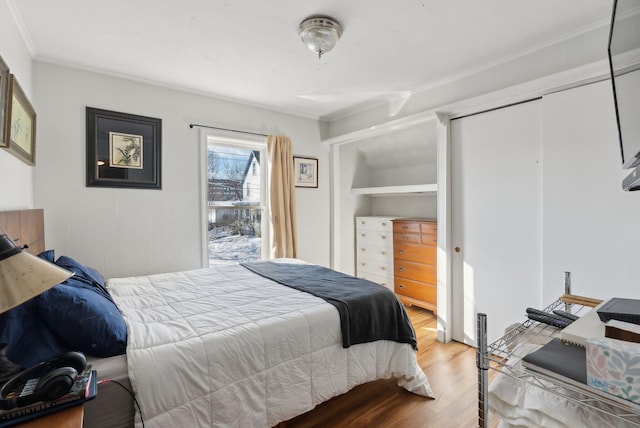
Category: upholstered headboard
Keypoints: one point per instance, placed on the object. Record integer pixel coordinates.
(25, 227)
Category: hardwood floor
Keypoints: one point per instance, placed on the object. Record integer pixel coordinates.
(451, 369)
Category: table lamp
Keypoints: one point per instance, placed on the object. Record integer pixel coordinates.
(24, 276)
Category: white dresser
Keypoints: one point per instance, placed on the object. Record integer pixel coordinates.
(374, 249)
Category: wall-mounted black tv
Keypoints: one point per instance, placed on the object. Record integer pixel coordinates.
(624, 63)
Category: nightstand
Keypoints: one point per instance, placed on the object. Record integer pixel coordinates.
(68, 418)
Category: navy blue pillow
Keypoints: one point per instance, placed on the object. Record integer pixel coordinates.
(28, 335)
(81, 312)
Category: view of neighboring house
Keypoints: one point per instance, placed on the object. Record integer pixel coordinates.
(234, 200)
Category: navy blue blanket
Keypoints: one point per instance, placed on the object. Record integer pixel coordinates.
(368, 311)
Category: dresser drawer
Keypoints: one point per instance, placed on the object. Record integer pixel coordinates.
(373, 252)
(380, 239)
(386, 281)
(375, 267)
(410, 238)
(424, 292)
(415, 238)
(380, 224)
(416, 271)
(415, 253)
(429, 227)
(406, 227)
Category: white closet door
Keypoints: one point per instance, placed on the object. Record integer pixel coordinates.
(496, 178)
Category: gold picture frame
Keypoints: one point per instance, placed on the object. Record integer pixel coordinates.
(20, 123)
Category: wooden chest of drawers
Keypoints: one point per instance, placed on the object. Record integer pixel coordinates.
(414, 259)
(374, 249)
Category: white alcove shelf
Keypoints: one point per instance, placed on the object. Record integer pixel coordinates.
(402, 190)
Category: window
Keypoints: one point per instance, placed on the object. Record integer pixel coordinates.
(237, 229)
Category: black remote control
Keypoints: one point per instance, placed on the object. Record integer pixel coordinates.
(549, 319)
(565, 314)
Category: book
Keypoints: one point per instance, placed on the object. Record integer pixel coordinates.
(559, 359)
(622, 330)
(627, 310)
(587, 326)
(84, 389)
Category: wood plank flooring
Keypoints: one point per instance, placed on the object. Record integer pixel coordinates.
(451, 369)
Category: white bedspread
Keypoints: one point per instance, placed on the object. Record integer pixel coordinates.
(226, 347)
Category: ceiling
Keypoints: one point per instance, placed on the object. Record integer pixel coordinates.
(250, 51)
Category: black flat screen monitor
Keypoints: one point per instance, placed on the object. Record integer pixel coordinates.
(624, 63)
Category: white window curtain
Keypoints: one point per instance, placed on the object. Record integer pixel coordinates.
(282, 197)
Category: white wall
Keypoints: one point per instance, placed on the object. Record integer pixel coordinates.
(124, 232)
(591, 226)
(16, 177)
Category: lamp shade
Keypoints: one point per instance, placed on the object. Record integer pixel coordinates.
(24, 276)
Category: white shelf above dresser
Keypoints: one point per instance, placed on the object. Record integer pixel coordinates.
(396, 190)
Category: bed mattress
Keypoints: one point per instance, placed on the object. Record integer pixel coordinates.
(113, 406)
(225, 347)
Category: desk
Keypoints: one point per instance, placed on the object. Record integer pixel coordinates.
(68, 418)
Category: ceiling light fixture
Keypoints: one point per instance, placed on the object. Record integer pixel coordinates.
(320, 34)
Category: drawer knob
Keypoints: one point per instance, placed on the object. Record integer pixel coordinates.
(405, 237)
(400, 285)
(400, 251)
(383, 237)
(364, 234)
(384, 224)
(383, 253)
(364, 249)
(405, 227)
(400, 269)
(383, 268)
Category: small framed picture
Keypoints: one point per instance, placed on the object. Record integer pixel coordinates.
(305, 171)
(20, 123)
(123, 150)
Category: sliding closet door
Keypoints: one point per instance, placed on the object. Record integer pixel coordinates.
(496, 178)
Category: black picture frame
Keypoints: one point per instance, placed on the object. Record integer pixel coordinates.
(305, 171)
(123, 150)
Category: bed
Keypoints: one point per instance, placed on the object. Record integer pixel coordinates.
(228, 346)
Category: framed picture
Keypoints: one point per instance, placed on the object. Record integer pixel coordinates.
(20, 123)
(305, 171)
(4, 101)
(123, 150)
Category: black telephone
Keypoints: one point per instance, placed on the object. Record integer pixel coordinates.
(46, 381)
